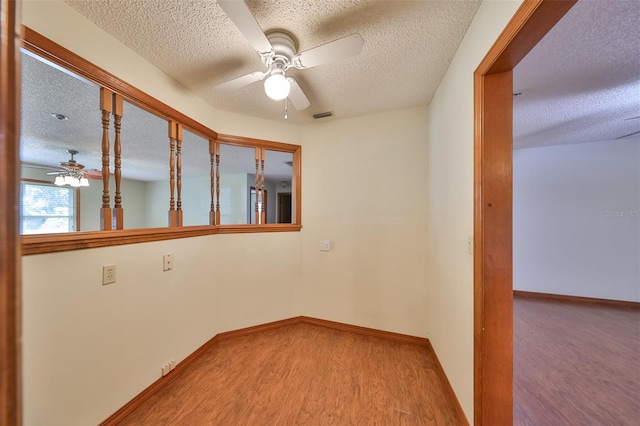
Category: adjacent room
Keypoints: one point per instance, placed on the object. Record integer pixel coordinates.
(576, 221)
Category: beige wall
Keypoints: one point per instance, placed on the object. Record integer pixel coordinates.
(365, 190)
(398, 263)
(450, 215)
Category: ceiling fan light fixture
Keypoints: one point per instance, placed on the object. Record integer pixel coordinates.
(59, 181)
(276, 86)
(84, 181)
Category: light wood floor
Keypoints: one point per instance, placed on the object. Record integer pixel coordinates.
(575, 364)
(304, 374)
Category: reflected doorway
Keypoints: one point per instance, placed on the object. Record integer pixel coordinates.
(284, 207)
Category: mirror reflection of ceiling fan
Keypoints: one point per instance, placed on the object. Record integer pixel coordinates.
(70, 172)
(278, 51)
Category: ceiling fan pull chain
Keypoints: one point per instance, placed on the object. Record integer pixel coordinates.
(286, 108)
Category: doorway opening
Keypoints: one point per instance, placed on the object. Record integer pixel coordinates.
(284, 207)
(493, 157)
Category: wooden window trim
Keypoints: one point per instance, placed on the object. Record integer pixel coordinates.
(50, 243)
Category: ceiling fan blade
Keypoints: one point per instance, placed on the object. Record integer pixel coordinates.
(241, 16)
(239, 82)
(630, 134)
(329, 52)
(38, 166)
(297, 96)
(94, 174)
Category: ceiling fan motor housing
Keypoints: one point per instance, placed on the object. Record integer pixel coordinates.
(284, 46)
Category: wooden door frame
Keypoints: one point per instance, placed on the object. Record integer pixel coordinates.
(493, 193)
(10, 376)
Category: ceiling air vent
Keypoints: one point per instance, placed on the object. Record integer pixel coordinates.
(323, 114)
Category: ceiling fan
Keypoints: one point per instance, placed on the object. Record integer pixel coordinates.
(70, 172)
(278, 51)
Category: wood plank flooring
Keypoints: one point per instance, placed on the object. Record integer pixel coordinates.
(304, 374)
(575, 364)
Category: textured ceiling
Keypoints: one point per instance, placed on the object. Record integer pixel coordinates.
(581, 83)
(408, 46)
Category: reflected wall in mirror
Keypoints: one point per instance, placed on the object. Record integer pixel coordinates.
(242, 174)
(145, 168)
(196, 179)
(237, 175)
(278, 175)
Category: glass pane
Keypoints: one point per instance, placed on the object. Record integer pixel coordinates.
(145, 168)
(196, 182)
(278, 171)
(237, 176)
(59, 112)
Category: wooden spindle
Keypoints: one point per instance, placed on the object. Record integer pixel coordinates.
(105, 106)
(179, 174)
(117, 150)
(263, 214)
(172, 204)
(217, 145)
(212, 182)
(257, 184)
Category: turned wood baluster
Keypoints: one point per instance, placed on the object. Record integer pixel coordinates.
(172, 143)
(105, 212)
(263, 214)
(257, 183)
(179, 173)
(212, 182)
(217, 184)
(117, 149)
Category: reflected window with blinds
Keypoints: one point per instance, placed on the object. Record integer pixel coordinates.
(47, 208)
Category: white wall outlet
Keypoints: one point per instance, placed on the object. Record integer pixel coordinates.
(470, 244)
(167, 262)
(325, 245)
(108, 274)
(168, 367)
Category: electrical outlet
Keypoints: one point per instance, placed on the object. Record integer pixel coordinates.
(167, 262)
(167, 368)
(108, 274)
(470, 244)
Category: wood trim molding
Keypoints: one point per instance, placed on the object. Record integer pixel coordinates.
(52, 243)
(10, 294)
(257, 328)
(372, 332)
(137, 401)
(451, 395)
(627, 304)
(260, 143)
(493, 118)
